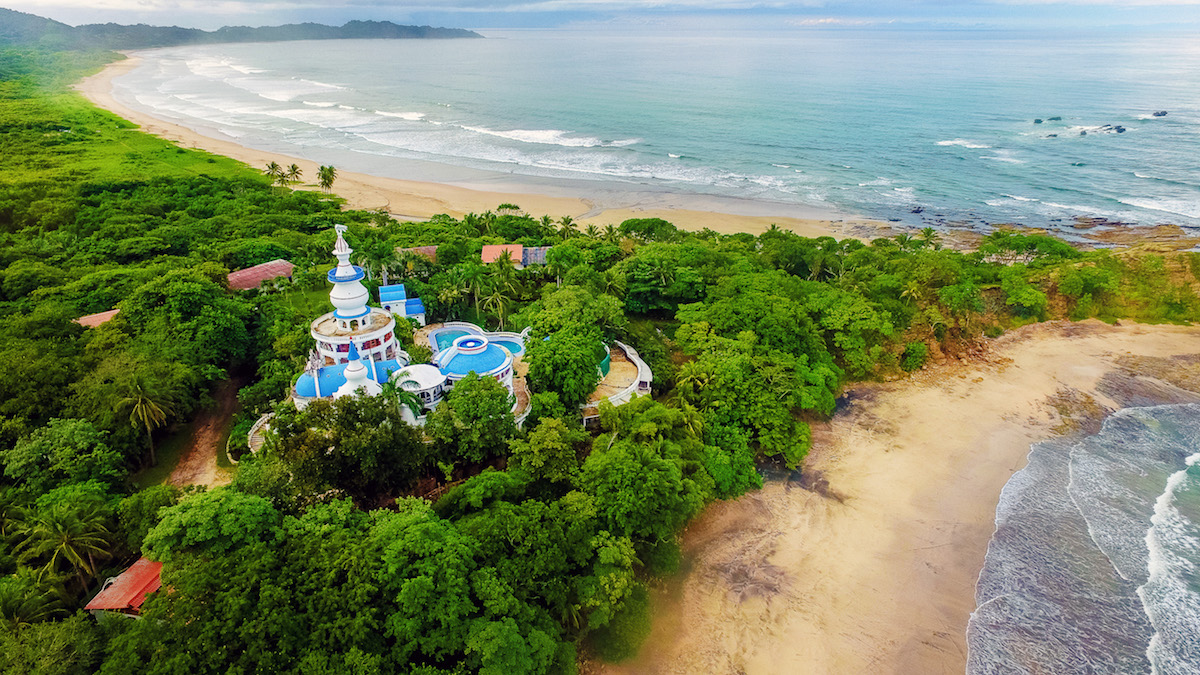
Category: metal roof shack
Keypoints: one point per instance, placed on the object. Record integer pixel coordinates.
(126, 592)
(534, 255)
(93, 320)
(251, 277)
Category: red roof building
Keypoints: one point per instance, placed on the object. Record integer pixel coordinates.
(252, 277)
(93, 320)
(492, 252)
(427, 251)
(126, 592)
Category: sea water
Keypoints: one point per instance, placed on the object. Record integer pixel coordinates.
(925, 127)
(1095, 563)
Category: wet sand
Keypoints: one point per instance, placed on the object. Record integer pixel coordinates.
(418, 200)
(874, 569)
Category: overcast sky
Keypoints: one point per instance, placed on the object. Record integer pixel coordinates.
(624, 14)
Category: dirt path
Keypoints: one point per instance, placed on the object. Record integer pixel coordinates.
(198, 463)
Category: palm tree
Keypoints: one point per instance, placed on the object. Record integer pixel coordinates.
(566, 227)
(400, 397)
(546, 225)
(66, 534)
(611, 235)
(147, 409)
(930, 238)
(498, 302)
(23, 603)
(293, 173)
(692, 379)
(473, 278)
(274, 171)
(325, 177)
(592, 231)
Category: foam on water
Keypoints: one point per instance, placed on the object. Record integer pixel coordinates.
(1092, 568)
(673, 118)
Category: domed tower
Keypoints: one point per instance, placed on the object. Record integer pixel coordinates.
(371, 330)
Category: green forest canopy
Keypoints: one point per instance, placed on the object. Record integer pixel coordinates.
(320, 556)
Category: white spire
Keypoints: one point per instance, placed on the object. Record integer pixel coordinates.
(349, 297)
(358, 378)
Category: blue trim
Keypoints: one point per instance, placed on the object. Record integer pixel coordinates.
(334, 376)
(337, 313)
(353, 352)
(358, 275)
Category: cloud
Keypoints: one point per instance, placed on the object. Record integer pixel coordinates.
(799, 14)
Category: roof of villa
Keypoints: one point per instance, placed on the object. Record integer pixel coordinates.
(251, 277)
(129, 590)
(93, 320)
(492, 252)
(424, 375)
(427, 251)
(534, 255)
(332, 377)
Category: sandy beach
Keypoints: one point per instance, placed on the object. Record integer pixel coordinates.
(871, 568)
(417, 200)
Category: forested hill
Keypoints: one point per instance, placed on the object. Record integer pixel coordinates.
(18, 28)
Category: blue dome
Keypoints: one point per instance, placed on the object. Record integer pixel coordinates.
(334, 376)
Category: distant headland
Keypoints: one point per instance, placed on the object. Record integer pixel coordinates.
(21, 29)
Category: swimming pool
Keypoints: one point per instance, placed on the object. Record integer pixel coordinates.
(442, 339)
(514, 348)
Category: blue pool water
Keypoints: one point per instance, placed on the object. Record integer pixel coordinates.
(511, 346)
(444, 338)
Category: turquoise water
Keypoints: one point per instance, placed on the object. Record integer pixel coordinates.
(513, 347)
(1093, 566)
(444, 338)
(926, 127)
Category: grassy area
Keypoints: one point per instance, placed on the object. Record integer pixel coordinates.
(169, 452)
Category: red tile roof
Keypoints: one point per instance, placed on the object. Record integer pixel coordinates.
(251, 277)
(427, 251)
(93, 320)
(129, 590)
(492, 252)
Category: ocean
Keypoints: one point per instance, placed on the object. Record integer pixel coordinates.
(925, 128)
(1094, 564)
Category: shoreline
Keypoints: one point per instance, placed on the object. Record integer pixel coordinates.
(872, 567)
(420, 200)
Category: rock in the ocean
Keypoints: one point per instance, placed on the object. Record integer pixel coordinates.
(1120, 129)
(1055, 119)
(1083, 133)
(1160, 113)
(1038, 121)
(1052, 136)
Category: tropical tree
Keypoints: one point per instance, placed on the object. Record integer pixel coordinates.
(473, 276)
(66, 534)
(567, 227)
(24, 602)
(293, 173)
(400, 397)
(147, 409)
(325, 177)
(499, 302)
(274, 171)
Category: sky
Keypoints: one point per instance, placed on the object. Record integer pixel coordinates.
(632, 14)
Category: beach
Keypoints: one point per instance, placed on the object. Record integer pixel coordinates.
(868, 562)
(419, 200)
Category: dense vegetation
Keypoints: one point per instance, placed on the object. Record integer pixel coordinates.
(21, 29)
(321, 556)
